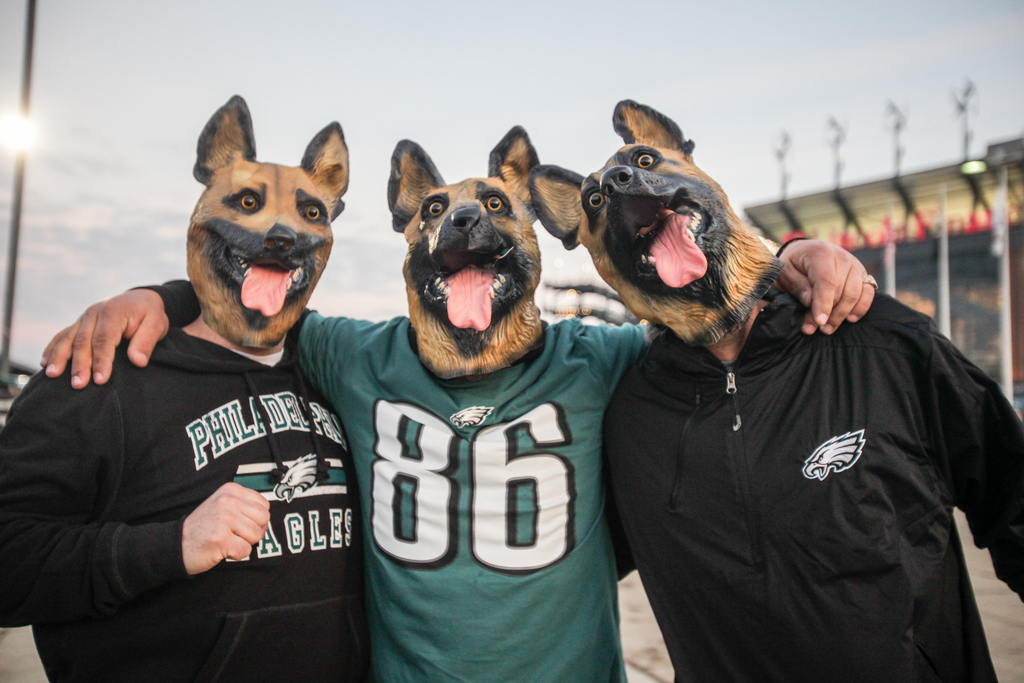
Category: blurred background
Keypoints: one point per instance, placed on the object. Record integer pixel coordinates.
(848, 122)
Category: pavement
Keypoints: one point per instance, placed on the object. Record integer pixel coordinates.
(647, 660)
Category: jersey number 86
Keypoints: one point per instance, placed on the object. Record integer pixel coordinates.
(521, 504)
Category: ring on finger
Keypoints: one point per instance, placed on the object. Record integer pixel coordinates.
(870, 280)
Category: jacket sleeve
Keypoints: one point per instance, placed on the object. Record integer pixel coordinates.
(180, 301)
(61, 558)
(983, 442)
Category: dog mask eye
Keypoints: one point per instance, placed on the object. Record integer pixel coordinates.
(596, 199)
(494, 204)
(312, 213)
(248, 202)
(645, 161)
(436, 208)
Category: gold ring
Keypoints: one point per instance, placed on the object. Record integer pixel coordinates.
(870, 280)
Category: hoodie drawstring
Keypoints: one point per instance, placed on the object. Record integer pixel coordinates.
(278, 472)
(321, 463)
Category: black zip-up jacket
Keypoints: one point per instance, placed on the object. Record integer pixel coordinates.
(792, 520)
(95, 485)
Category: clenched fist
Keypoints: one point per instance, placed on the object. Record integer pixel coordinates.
(225, 525)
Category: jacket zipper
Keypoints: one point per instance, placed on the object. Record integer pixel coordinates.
(743, 473)
(730, 388)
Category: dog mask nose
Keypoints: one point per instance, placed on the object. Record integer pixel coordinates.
(465, 218)
(279, 238)
(616, 179)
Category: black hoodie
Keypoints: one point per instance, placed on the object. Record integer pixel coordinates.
(95, 485)
(793, 520)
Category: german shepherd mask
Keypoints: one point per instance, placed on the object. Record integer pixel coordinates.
(261, 233)
(473, 263)
(660, 231)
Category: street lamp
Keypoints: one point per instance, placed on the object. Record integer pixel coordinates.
(20, 130)
(16, 133)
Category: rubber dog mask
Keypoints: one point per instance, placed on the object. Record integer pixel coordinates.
(260, 234)
(473, 262)
(661, 232)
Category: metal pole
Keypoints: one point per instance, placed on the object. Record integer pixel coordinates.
(944, 316)
(19, 187)
(889, 255)
(963, 104)
(1003, 232)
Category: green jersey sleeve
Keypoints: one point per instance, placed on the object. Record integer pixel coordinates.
(613, 350)
(330, 348)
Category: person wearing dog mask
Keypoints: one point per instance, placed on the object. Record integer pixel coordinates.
(788, 499)
(476, 431)
(194, 521)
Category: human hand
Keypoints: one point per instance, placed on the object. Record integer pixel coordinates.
(827, 279)
(225, 525)
(91, 341)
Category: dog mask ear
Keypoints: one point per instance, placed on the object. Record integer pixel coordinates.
(413, 177)
(226, 137)
(512, 159)
(639, 124)
(556, 201)
(326, 162)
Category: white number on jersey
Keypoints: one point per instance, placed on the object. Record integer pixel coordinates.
(413, 501)
(521, 503)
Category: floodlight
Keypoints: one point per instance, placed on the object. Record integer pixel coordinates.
(16, 132)
(973, 167)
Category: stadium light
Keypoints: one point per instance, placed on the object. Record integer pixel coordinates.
(17, 133)
(973, 167)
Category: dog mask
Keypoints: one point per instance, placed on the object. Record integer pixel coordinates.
(473, 263)
(261, 233)
(660, 231)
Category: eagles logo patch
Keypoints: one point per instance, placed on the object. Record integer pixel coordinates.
(471, 416)
(299, 477)
(835, 455)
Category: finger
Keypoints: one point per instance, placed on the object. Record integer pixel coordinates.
(254, 511)
(81, 348)
(823, 279)
(235, 490)
(144, 339)
(848, 298)
(110, 326)
(808, 326)
(795, 283)
(238, 548)
(57, 352)
(245, 528)
(867, 296)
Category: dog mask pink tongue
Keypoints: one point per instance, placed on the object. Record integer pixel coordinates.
(676, 256)
(469, 298)
(264, 289)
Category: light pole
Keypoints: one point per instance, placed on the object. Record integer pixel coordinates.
(19, 188)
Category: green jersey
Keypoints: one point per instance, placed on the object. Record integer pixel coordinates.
(488, 554)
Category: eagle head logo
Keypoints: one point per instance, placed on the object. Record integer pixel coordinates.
(835, 455)
(471, 416)
(301, 475)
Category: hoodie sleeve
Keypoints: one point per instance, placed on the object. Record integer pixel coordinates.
(61, 459)
(180, 301)
(982, 440)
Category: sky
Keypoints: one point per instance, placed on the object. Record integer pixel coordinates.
(121, 91)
